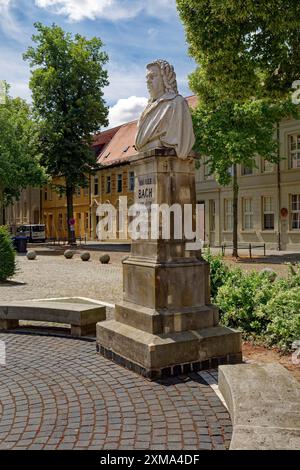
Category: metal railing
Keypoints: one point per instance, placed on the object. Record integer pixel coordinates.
(61, 241)
(245, 246)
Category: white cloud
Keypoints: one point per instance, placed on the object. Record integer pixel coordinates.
(126, 110)
(125, 79)
(8, 23)
(77, 10)
(16, 72)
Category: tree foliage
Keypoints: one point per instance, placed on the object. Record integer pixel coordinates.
(235, 132)
(19, 156)
(247, 54)
(7, 255)
(67, 80)
(244, 48)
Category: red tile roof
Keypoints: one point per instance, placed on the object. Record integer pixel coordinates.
(192, 101)
(103, 138)
(120, 147)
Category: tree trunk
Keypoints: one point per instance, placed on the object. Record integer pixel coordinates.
(70, 213)
(235, 213)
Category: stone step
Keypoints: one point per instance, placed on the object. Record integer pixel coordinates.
(264, 404)
(159, 321)
(154, 353)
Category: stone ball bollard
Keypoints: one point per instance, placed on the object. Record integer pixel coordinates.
(31, 255)
(85, 256)
(68, 254)
(104, 259)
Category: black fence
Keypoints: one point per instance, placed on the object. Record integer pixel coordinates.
(245, 246)
(61, 241)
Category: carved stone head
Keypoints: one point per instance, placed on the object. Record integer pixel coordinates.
(161, 79)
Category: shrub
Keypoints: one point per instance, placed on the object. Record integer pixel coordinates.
(283, 314)
(239, 298)
(7, 255)
(219, 272)
(261, 305)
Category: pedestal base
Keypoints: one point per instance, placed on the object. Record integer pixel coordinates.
(165, 324)
(156, 356)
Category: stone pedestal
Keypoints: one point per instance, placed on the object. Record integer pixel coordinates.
(165, 324)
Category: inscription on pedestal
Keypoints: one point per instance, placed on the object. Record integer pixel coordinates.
(145, 191)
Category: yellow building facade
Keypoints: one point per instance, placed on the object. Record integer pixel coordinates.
(54, 208)
(114, 180)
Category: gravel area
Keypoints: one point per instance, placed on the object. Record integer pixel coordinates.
(51, 275)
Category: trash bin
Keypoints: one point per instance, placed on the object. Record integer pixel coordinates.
(21, 244)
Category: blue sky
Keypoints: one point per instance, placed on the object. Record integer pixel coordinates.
(134, 32)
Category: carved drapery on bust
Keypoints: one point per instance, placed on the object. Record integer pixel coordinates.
(166, 121)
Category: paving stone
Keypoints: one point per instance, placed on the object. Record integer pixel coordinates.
(70, 397)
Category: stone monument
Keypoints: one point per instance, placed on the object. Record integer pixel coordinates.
(165, 324)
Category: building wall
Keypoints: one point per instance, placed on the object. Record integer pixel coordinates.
(85, 205)
(104, 196)
(54, 209)
(260, 187)
(27, 210)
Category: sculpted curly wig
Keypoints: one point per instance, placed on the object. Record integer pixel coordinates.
(168, 75)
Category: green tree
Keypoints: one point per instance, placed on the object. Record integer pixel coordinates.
(67, 79)
(19, 155)
(248, 58)
(7, 255)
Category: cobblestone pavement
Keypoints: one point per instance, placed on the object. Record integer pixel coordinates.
(57, 393)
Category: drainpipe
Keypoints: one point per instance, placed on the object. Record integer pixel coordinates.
(278, 189)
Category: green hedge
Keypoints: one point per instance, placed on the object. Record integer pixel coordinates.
(261, 305)
(7, 255)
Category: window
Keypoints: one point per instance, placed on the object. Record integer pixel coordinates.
(247, 214)
(268, 213)
(207, 175)
(78, 191)
(212, 215)
(246, 170)
(96, 185)
(49, 193)
(120, 183)
(86, 221)
(267, 167)
(228, 212)
(86, 189)
(295, 211)
(294, 151)
(46, 194)
(231, 170)
(108, 184)
(131, 181)
(78, 221)
(60, 222)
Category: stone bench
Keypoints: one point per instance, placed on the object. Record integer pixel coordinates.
(82, 317)
(264, 405)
